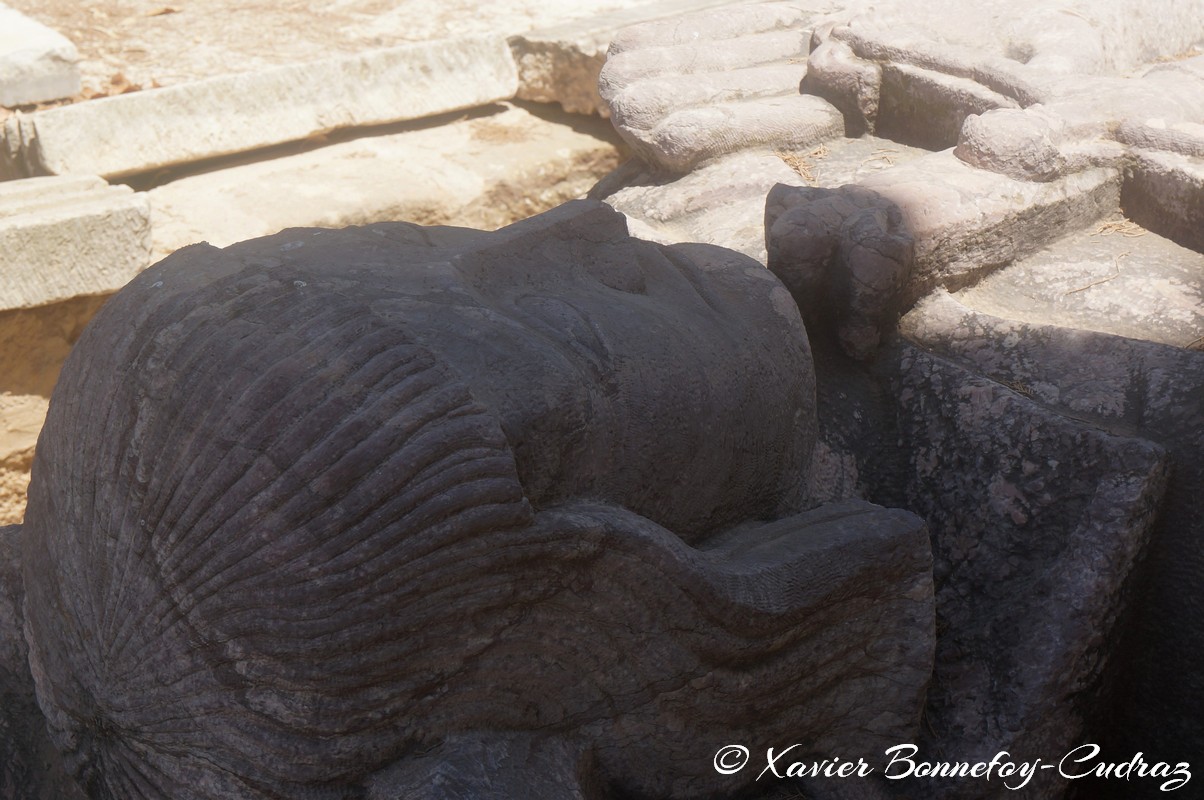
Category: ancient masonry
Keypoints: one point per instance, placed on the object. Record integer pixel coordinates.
(992, 222)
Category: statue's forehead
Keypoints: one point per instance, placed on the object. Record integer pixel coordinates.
(396, 274)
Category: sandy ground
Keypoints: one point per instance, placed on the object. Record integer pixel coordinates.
(126, 45)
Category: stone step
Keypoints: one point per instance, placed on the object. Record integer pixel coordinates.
(715, 82)
(561, 64)
(18, 196)
(36, 63)
(221, 37)
(859, 255)
(484, 170)
(66, 237)
(1115, 277)
(967, 222)
(926, 108)
(156, 128)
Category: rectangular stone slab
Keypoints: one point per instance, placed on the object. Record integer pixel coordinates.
(69, 236)
(147, 130)
(561, 64)
(968, 221)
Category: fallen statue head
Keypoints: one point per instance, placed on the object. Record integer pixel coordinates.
(399, 511)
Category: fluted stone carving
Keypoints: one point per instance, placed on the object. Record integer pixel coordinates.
(391, 510)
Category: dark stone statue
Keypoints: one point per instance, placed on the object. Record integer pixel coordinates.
(427, 512)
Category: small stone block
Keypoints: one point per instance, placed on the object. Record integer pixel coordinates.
(69, 236)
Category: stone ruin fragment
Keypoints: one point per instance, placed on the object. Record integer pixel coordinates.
(387, 511)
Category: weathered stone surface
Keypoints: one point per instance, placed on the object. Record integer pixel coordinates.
(499, 165)
(229, 36)
(919, 74)
(36, 63)
(713, 83)
(1142, 389)
(966, 221)
(22, 416)
(845, 161)
(382, 489)
(654, 749)
(500, 765)
(851, 84)
(30, 766)
(919, 80)
(1030, 52)
(856, 257)
(1165, 192)
(562, 64)
(1092, 123)
(157, 128)
(1113, 278)
(1037, 522)
(71, 236)
(925, 108)
(1025, 145)
(1036, 99)
(845, 255)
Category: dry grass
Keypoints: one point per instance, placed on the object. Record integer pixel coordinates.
(1115, 274)
(883, 154)
(804, 164)
(1186, 54)
(1019, 387)
(1124, 227)
(489, 131)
